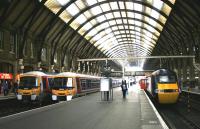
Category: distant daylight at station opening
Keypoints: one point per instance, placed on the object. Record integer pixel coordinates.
(99, 64)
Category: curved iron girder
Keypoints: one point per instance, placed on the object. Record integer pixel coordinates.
(118, 52)
(125, 11)
(8, 9)
(103, 2)
(125, 30)
(86, 32)
(120, 45)
(91, 50)
(33, 16)
(115, 25)
(94, 17)
(133, 37)
(115, 53)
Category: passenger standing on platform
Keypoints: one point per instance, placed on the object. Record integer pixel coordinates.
(15, 86)
(5, 88)
(124, 88)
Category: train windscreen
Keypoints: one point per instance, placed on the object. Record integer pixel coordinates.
(167, 79)
(28, 82)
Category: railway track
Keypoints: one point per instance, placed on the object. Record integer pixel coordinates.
(12, 106)
(179, 116)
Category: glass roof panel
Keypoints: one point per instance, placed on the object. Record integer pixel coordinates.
(63, 2)
(54, 6)
(80, 4)
(114, 5)
(101, 18)
(96, 10)
(121, 5)
(138, 7)
(73, 9)
(166, 9)
(138, 16)
(91, 2)
(109, 15)
(105, 7)
(129, 5)
(81, 19)
(116, 14)
(113, 22)
(65, 16)
(158, 4)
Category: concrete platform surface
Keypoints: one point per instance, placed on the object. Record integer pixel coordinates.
(90, 112)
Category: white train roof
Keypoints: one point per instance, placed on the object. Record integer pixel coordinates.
(34, 73)
(71, 74)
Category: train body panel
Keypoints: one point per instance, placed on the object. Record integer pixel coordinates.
(163, 86)
(168, 93)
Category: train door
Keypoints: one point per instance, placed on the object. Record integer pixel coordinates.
(44, 87)
(74, 86)
(78, 85)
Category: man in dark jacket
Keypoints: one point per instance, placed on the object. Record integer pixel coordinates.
(124, 88)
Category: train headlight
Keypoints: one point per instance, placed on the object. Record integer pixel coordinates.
(54, 97)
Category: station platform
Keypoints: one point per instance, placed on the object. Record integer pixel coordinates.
(9, 96)
(89, 112)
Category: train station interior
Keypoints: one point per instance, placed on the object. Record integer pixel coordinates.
(92, 48)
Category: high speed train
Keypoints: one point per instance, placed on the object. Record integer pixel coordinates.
(163, 86)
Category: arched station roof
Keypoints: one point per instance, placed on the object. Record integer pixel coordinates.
(106, 28)
(118, 28)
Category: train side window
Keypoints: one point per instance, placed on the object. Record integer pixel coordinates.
(44, 83)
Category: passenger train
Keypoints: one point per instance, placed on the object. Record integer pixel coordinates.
(39, 86)
(163, 86)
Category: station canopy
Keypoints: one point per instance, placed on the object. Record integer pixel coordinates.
(118, 28)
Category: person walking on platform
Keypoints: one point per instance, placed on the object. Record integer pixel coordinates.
(124, 88)
(5, 88)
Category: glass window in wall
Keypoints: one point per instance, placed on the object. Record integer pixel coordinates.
(44, 54)
(32, 54)
(55, 57)
(12, 42)
(26, 48)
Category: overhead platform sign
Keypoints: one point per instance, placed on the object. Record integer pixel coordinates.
(6, 76)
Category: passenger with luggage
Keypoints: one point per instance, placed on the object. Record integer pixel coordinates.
(124, 88)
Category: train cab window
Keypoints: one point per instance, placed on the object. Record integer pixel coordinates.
(44, 83)
(165, 79)
(28, 82)
(60, 82)
(51, 82)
